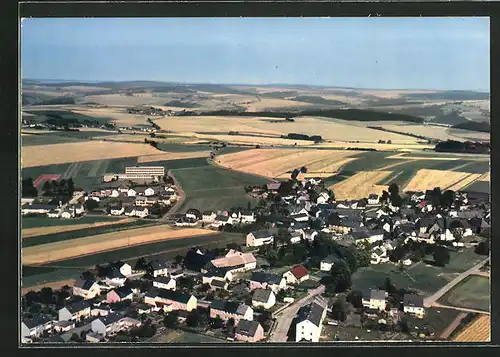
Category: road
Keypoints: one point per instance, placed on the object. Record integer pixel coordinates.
(284, 319)
(431, 300)
(180, 200)
(436, 304)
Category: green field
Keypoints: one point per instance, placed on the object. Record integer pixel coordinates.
(190, 337)
(42, 115)
(473, 292)
(215, 188)
(33, 222)
(436, 320)
(479, 186)
(169, 147)
(46, 139)
(80, 233)
(181, 163)
(423, 277)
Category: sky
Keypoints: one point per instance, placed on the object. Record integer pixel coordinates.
(380, 53)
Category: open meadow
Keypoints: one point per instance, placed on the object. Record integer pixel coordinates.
(473, 292)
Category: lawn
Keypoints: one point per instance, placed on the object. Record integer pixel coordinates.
(29, 277)
(35, 172)
(46, 139)
(473, 292)
(80, 233)
(41, 221)
(180, 163)
(479, 186)
(190, 337)
(374, 276)
(215, 188)
(436, 320)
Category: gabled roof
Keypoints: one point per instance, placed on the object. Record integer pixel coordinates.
(299, 271)
(413, 300)
(163, 279)
(261, 234)
(37, 320)
(374, 294)
(247, 328)
(373, 196)
(312, 312)
(115, 273)
(218, 283)
(230, 307)
(83, 284)
(122, 292)
(110, 318)
(77, 306)
(221, 218)
(261, 295)
(263, 277)
(332, 258)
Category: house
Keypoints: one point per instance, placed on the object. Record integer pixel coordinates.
(236, 261)
(75, 311)
(88, 289)
(367, 236)
(414, 304)
(115, 277)
(208, 216)
(131, 192)
(273, 186)
(144, 309)
(221, 220)
(258, 238)
(263, 298)
(77, 208)
(310, 234)
(145, 200)
(123, 268)
(217, 274)
(35, 326)
(99, 311)
(170, 300)
(164, 282)
(247, 217)
(323, 197)
(159, 267)
(218, 284)
(64, 326)
(37, 208)
(117, 295)
(379, 255)
(117, 210)
(327, 263)
(373, 199)
(130, 211)
(141, 212)
(374, 299)
(53, 213)
(262, 280)
(196, 260)
(250, 331)
(310, 320)
(300, 217)
(112, 324)
(186, 221)
(295, 237)
(405, 260)
(194, 214)
(67, 214)
(149, 191)
(230, 309)
(296, 275)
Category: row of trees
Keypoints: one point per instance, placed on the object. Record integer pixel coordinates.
(416, 251)
(58, 188)
(27, 188)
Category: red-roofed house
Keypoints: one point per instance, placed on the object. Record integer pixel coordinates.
(296, 275)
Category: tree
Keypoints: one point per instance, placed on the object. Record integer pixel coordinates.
(349, 256)
(441, 256)
(363, 257)
(339, 310)
(331, 195)
(341, 276)
(385, 196)
(393, 189)
(249, 205)
(193, 318)
(185, 282)
(141, 264)
(447, 198)
(389, 286)
(70, 187)
(91, 205)
(403, 325)
(88, 275)
(47, 188)
(28, 190)
(75, 338)
(216, 322)
(294, 175)
(355, 298)
(283, 236)
(230, 325)
(483, 248)
(170, 320)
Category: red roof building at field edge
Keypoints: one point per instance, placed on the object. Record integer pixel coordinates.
(299, 272)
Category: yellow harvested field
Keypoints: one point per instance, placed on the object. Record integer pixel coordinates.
(394, 165)
(307, 175)
(485, 177)
(276, 162)
(37, 231)
(402, 157)
(360, 185)
(118, 114)
(328, 129)
(137, 138)
(364, 145)
(426, 179)
(50, 252)
(254, 140)
(477, 331)
(435, 132)
(81, 151)
(270, 103)
(172, 156)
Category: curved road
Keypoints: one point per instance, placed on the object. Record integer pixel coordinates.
(180, 200)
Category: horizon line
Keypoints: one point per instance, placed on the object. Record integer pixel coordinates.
(62, 81)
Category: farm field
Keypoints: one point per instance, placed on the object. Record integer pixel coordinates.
(69, 234)
(214, 188)
(473, 292)
(42, 222)
(275, 162)
(172, 156)
(189, 337)
(78, 151)
(479, 186)
(360, 185)
(477, 331)
(45, 139)
(61, 250)
(427, 179)
(44, 230)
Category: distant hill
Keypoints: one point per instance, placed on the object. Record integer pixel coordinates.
(481, 126)
(453, 118)
(450, 95)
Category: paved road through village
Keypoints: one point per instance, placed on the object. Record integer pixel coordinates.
(284, 319)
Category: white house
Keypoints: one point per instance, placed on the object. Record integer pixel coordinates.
(414, 305)
(263, 298)
(88, 289)
(117, 211)
(327, 263)
(149, 191)
(375, 299)
(322, 198)
(310, 320)
(295, 237)
(53, 213)
(131, 192)
(159, 267)
(258, 238)
(373, 199)
(379, 255)
(164, 282)
(247, 217)
(300, 217)
(296, 275)
(75, 311)
(208, 217)
(125, 269)
(221, 220)
(114, 193)
(35, 326)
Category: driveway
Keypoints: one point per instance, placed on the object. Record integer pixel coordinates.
(284, 319)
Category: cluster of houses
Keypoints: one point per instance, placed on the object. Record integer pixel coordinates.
(218, 219)
(53, 211)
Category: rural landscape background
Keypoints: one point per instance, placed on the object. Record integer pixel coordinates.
(215, 140)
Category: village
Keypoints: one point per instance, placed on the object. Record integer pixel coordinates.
(290, 280)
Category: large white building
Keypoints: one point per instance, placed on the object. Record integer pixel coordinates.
(138, 172)
(310, 320)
